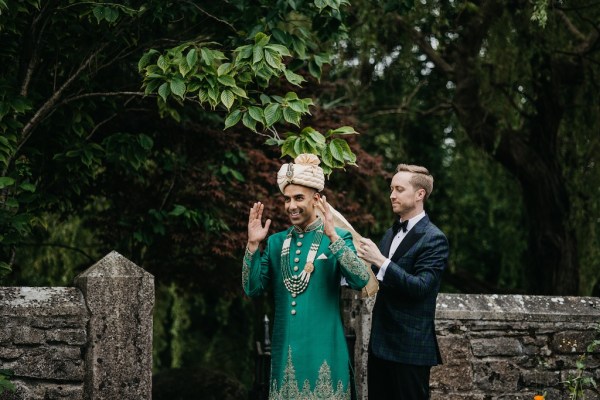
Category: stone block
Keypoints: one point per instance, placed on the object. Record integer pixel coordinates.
(497, 346)
(496, 376)
(572, 341)
(10, 353)
(540, 378)
(48, 362)
(67, 336)
(457, 376)
(120, 298)
(32, 390)
(28, 335)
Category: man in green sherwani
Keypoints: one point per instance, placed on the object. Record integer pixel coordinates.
(304, 265)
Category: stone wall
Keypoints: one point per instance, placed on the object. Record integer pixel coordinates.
(92, 341)
(499, 347)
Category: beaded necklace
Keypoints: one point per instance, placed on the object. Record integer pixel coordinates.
(297, 284)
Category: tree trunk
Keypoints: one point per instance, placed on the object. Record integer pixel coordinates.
(530, 154)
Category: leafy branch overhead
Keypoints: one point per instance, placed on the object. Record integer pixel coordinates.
(201, 72)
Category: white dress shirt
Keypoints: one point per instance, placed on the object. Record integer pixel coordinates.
(396, 242)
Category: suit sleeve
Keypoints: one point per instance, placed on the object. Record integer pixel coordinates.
(352, 267)
(255, 272)
(426, 275)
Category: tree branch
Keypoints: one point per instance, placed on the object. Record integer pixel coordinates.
(422, 42)
(203, 11)
(570, 26)
(49, 106)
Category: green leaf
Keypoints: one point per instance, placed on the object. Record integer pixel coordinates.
(146, 142)
(207, 56)
(344, 130)
(256, 113)
(226, 80)
(291, 116)
(6, 181)
(272, 113)
(237, 175)
(177, 210)
(227, 98)
(192, 57)
(257, 54)
(317, 136)
(203, 95)
(28, 187)
(337, 150)
(239, 92)
(223, 69)
(293, 77)
(272, 58)
(287, 148)
(162, 63)
(264, 99)
(177, 86)
(261, 39)
(145, 60)
(298, 106)
(281, 50)
(298, 146)
(164, 91)
(233, 118)
(249, 122)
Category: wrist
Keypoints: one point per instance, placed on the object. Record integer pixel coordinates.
(333, 237)
(252, 246)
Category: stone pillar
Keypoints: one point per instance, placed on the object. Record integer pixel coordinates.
(118, 356)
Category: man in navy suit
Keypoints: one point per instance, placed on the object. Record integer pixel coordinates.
(409, 261)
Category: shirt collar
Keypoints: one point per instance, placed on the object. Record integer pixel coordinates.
(413, 221)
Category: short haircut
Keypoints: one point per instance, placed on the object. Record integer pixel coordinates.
(421, 178)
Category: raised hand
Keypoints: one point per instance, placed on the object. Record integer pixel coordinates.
(256, 231)
(328, 222)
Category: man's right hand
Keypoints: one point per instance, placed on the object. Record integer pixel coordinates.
(256, 231)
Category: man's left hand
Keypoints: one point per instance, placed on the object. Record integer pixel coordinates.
(328, 224)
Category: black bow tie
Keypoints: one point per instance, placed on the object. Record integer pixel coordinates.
(400, 225)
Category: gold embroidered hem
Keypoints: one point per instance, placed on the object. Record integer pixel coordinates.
(323, 390)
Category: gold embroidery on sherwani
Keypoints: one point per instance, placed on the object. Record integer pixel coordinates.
(246, 267)
(323, 387)
(349, 260)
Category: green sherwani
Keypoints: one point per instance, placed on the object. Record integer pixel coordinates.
(309, 356)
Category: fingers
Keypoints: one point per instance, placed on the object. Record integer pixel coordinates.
(256, 211)
(267, 224)
(366, 242)
(322, 204)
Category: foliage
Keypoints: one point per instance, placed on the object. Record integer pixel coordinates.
(70, 105)
(578, 383)
(5, 383)
(444, 75)
(92, 163)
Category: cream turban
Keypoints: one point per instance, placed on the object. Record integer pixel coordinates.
(303, 171)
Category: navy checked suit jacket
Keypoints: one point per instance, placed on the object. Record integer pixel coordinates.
(403, 324)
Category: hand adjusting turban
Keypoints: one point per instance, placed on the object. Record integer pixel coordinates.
(303, 171)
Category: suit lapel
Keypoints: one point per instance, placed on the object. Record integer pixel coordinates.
(410, 239)
(386, 242)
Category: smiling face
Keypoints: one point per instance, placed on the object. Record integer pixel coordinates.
(300, 204)
(407, 201)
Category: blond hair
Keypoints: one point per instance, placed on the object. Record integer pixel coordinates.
(420, 179)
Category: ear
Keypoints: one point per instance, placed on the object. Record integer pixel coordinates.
(316, 196)
(420, 194)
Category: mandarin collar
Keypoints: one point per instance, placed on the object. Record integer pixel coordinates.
(310, 227)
